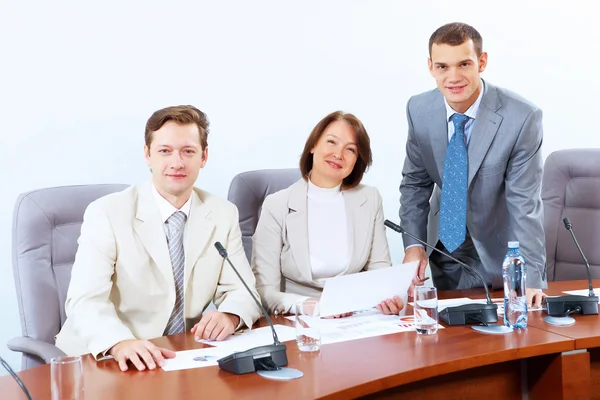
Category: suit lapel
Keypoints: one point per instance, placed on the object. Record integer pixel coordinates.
(359, 219)
(297, 229)
(487, 122)
(200, 230)
(438, 127)
(150, 230)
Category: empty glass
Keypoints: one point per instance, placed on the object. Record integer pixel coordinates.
(308, 332)
(426, 310)
(66, 378)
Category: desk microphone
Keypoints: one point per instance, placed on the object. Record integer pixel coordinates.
(16, 377)
(270, 357)
(573, 304)
(467, 313)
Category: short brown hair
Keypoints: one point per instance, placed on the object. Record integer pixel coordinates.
(363, 143)
(182, 115)
(455, 34)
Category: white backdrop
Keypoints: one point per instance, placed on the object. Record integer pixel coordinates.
(78, 81)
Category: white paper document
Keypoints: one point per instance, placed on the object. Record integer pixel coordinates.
(365, 290)
(196, 358)
(350, 328)
(357, 329)
(584, 292)
(248, 339)
(239, 341)
(363, 324)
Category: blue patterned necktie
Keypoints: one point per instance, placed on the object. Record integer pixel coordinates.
(453, 209)
(175, 226)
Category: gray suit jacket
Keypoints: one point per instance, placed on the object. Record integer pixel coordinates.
(505, 174)
(280, 257)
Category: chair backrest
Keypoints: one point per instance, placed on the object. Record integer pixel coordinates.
(571, 188)
(249, 189)
(46, 226)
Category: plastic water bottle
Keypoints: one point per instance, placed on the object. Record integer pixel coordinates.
(515, 296)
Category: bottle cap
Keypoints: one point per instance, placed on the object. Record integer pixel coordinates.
(513, 245)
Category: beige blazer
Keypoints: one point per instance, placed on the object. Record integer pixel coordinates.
(280, 257)
(122, 284)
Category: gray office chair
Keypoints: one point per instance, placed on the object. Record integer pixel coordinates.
(571, 188)
(249, 189)
(46, 226)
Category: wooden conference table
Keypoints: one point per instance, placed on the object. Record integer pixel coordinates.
(457, 363)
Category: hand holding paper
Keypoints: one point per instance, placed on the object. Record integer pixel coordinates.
(364, 290)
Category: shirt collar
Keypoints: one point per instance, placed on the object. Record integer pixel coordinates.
(167, 209)
(472, 111)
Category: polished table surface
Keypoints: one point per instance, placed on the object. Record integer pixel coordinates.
(342, 370)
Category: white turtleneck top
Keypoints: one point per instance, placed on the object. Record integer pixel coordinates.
(327, 231)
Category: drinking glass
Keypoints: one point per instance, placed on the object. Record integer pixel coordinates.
(66, 378)
(308, 332)
(426, 310)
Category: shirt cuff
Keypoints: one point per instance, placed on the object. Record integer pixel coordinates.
(414, 245)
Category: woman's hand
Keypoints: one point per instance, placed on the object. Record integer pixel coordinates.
(391, 306)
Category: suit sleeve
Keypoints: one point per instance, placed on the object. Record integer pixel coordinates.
(266, 256)
(523, 185)
(379, 255)
(88, 304)
(231, 296)
(415, 189)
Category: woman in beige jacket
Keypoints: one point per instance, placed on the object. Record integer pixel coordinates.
(327, 224)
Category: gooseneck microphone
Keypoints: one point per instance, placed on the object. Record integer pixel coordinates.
(468, 313)
(569, 227)
(270, 357)
(16, 378)
(573, 304)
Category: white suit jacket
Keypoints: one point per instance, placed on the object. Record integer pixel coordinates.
(122, 284)
(280, 257)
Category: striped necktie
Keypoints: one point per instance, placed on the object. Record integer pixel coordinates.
(175, 226)
(453, 208)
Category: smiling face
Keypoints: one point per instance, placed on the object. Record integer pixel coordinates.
(457, 70)
(175, 157)
(334, 155)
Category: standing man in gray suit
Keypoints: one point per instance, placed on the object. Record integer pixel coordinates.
(473, 169)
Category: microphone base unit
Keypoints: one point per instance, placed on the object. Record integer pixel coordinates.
(270, 357)
(565, 305)
(469, 314)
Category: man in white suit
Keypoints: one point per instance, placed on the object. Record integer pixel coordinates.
(472, 171)
(146, 265)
